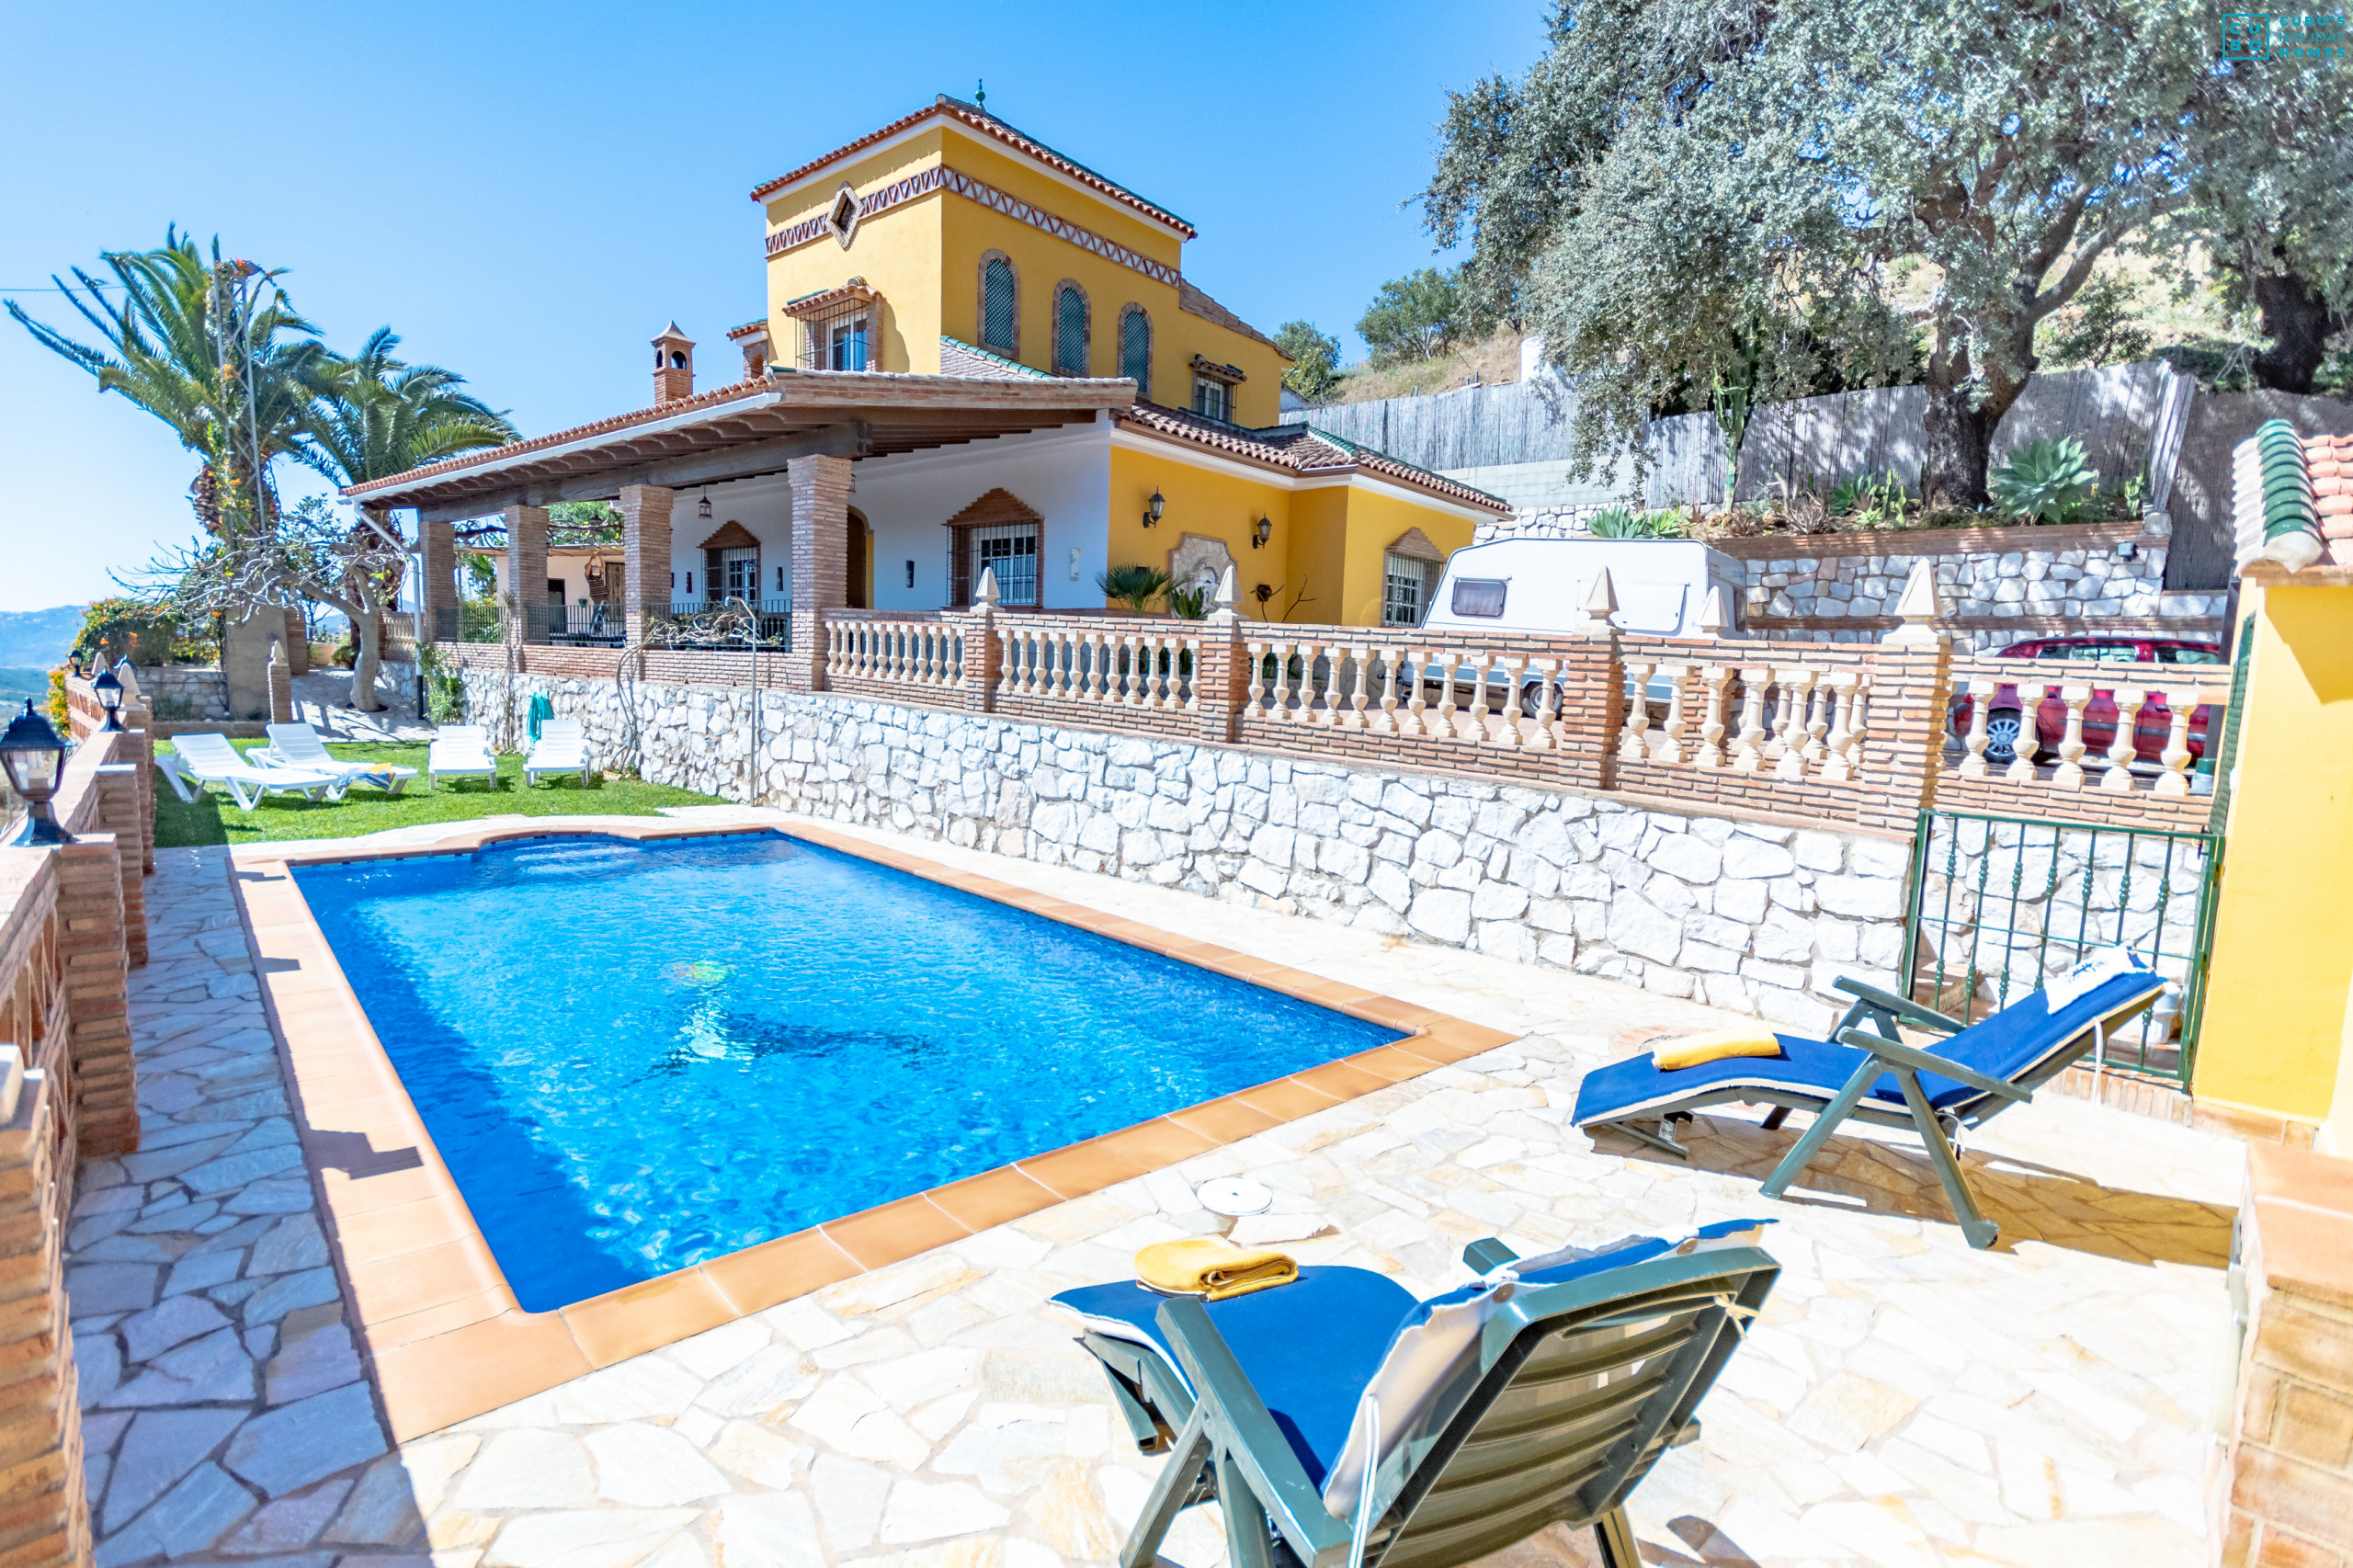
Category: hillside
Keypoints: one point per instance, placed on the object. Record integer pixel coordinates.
(37, 639)
(18, 685)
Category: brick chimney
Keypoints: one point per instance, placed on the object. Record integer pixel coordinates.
(674, 365)
(752, 337)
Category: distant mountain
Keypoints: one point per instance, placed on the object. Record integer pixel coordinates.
(18, 685)
(37, 639)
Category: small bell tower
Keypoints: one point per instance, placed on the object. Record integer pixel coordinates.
(674, 365)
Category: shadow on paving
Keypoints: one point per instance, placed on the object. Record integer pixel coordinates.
(2029, 1201)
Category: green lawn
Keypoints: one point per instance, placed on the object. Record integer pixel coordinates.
(215, 819)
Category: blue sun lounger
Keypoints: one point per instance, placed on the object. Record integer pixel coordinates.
(1870, 1075)
(1340, 1422)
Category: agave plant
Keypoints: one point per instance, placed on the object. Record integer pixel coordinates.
(1619, 522)
(1135, 586)
(2047, 482)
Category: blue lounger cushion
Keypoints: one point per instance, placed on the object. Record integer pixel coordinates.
(2005, 1046)
(1313, 1348)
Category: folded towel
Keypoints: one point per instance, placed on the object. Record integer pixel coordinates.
(1714, 1046)
(1210, 1267)
(2097, 968)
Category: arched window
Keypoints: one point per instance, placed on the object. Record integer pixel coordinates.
(1070, 330)
(1000, 331)
(1135, 349)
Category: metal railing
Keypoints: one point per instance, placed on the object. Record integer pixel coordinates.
(474, 620)
(723, 623)
(589, 625)
(2001, 905)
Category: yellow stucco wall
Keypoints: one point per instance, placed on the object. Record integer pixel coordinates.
(1328, 543)
(2274, 1036)
(924, 259)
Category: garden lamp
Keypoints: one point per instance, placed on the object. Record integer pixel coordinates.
(1262, 533)
(1153, 507)
(34, 757)
(110, 690)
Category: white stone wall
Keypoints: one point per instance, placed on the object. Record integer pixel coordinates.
(1755, 918)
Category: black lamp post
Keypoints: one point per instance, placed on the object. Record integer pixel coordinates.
(34, 757)
(110, 692)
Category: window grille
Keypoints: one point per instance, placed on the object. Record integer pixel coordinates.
(1010, 549)
(840, 339)
(740, 572)
(1210, 399)
(1135, 350)
(996, 307)
(1070, 331)
(1406, 585)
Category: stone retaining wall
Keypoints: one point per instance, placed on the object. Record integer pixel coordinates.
(201, 689)
(1748, 916)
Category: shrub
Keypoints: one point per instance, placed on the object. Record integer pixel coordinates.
(2047, 482)
(1135, 586)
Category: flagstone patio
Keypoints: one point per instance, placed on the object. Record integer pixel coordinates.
(1903, 1400)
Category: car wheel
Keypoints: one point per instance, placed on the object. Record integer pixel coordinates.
(2001, 735)
(1532, 699)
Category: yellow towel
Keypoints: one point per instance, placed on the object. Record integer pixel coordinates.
(1714, 1046)
(1210, 1267)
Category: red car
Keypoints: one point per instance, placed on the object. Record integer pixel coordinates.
(2005, 720)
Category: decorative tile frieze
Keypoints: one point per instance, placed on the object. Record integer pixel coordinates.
(939, 177)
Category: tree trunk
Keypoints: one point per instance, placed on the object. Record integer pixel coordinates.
(2296, 321)
(366, 633)
(1953, 461)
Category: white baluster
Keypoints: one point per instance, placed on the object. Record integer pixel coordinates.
(1797, 693)
(1547, 702)
(2124, 748)
(1193, 689)
(2030, 741)
(2182, 704)
(1839, 765)
(1630, 742)
(1258, 686)
(1481, 661)
(1392, 689)
(1362, 700)
(1974, 740)
(1449, 662)
(1748, 748)
(1817, 719)
(2070, 775)
(1715, 677)
(1336, 702)
(1668, 748)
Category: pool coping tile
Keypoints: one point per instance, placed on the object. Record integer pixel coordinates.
(442, 1333)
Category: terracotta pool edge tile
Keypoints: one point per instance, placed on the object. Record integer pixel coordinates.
(1158, 1143)
(994, 1198)
(893, 1232)
(1341, 1079)
(462, 1372)
(770, 1273)
(1076, 1169)
(1227, 1120)
(629, 1322)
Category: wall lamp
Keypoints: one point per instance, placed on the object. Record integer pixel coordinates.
(1153, 507)
(34, 757)
(1262, 533)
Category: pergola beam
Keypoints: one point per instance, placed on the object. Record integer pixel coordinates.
(851, 438)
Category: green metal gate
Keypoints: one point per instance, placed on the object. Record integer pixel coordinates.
(2000, 903)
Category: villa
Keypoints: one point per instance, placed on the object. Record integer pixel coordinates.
(978, 352)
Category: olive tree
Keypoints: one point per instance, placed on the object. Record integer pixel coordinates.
(1679, 185)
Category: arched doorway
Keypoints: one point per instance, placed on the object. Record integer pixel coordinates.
(860, 575)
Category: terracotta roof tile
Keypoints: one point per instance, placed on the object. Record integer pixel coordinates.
(1302, 450)
(990, 125)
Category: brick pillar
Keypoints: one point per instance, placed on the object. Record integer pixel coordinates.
(438, 589)
(44, 1511)
(984, 660)
(97, 1004)
(298, 644)
(527, 569)
(120, 814)
(1593, 710)
(281, 685)
(138, 749)
(1905, 710)
(646, 548)
(1221, 677)
(820, 560)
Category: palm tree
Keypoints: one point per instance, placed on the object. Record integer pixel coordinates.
(374, 416)
(213, 350)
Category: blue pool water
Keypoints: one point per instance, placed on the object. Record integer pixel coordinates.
(635, 1057)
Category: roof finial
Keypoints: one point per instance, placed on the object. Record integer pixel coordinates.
(981, 95)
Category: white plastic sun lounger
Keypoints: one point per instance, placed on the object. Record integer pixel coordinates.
(204, 758)
(298, 746)
(460, 751)
(562, 747)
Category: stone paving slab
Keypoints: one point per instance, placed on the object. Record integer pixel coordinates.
(1905, 1399)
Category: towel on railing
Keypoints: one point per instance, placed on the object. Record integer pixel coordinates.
(2097, 968)
(1692, 1051)
(1211, 1268)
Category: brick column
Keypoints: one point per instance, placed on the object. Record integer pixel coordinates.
(298, 646)
(1222, 673)
(45, 1518)
(1905, 708)
(438, 589)
(120, 814)
(1593, 710)
(527, 569)
(645, 550)
(138, 749)
(984, 660)
(97, 1003)
(820, 562)
(281, 685)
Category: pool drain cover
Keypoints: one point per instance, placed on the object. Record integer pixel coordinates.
(1232, 1195)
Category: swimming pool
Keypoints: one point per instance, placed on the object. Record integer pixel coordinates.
(634, 1057)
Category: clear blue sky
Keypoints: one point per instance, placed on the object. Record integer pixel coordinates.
(528, 193)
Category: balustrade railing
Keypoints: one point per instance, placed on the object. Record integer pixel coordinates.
(1389, 684)
(1795, 722)
(922, 653)
(2124, 728)
(1118, 667)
